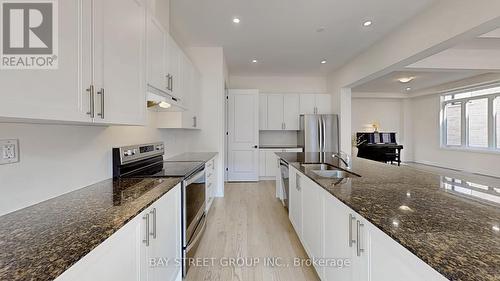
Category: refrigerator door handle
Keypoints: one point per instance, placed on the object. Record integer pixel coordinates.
(324, 133)
(320, 135)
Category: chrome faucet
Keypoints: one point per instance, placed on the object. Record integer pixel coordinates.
(341, 156)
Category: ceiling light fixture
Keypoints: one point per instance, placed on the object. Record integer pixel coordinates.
(323, 62)
(367, 23)
(408, 89)
(405, 80)
(236, 20)
(255, 61)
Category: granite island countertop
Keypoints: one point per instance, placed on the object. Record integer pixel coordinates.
(193, 157)
(458, 235)
(42, 241)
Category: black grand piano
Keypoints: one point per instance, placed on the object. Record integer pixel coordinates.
(379, 146)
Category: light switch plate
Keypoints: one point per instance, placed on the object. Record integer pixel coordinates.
(9, 151)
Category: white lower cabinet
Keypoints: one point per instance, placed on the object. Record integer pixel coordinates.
(126, 255)
(211, 182)
(330, 230)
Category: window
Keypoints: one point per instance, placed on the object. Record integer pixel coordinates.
(471, 118)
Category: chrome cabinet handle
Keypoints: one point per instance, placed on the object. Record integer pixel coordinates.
(195, 122)
(101, 93)
(171, 83)
(297, 182)
(351, 241)
(90, 90)
(146, 240)
(359, 250)
(153, 212)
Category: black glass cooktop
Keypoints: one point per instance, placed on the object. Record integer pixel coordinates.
(167, 169)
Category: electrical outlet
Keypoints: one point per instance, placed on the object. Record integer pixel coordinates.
(9, 151)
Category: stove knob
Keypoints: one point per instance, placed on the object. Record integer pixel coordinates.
(134, 151)
(128, 153)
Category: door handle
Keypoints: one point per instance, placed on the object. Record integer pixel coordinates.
(101, 93)
(351, 241)
(90, 90)
(153, 212)
(359, 250)
(146, 239)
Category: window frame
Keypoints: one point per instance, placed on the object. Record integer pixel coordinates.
(492, 117)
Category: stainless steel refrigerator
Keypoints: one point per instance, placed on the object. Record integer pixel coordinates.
(319, 133)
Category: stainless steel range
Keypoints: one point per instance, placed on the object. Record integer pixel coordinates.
(146, 161)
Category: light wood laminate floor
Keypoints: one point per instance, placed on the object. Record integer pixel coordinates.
(249, 222)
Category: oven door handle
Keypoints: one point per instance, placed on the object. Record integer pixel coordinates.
(199, 233)
(194, 178)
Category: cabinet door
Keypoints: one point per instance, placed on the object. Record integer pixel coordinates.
(312, 216)
(173, 64)
(120, 36)
(263, 112)
(307, 104)
(323, 104)
(262, 163)
(120, 257)
(165, 235)
(56, 94)
(275, 112)
(271, 163)
(337, 235)
(295, 201)
(156, 74)
(291, 111)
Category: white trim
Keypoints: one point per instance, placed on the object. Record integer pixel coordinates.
(470, 149)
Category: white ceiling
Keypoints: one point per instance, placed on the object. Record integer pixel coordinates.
(423, 79)
(282, 35)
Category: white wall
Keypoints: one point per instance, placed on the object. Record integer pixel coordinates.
(387, 112)
(426, 143)
(278, 138)
(56, 159)
(279, 84)
(210, 62)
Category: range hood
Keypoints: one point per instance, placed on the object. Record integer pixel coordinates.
(159, 100)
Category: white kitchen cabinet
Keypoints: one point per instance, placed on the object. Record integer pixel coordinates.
(57, 94)
(291, 112)
(295, 200)
(174, 60)
(101, 73)
(312, 219)
(211, 182)
(275, 112)
(125, 255)
(268, 162)
(156, 55)
(165, 240)
(339, 239)
(263, 112)
(315, 104)
(281, 112)
(119, 62)
(262, 163)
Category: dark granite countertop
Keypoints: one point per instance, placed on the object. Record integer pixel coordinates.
(193, 157)
(276, 146)
(42, 241)
(452, 225)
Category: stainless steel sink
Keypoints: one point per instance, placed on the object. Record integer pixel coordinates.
(334, 174)
(328, 171)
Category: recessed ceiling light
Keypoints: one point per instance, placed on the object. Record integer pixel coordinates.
(405, 79)
(236, 20)
(320, 29)
(367, 23)
(408, 89)
(255, 61)
(323, 61)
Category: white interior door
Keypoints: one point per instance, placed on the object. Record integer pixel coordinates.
(243, 135)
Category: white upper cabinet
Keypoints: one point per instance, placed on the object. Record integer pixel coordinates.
(100, 83)
(56, 94)
(120, 62)
(279, 112)
(174, 60)
(291, 112)
(275, 112)
(156, 55)
(323, 104)
(315, 104)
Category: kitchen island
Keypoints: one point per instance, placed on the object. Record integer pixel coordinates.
(427, 214)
